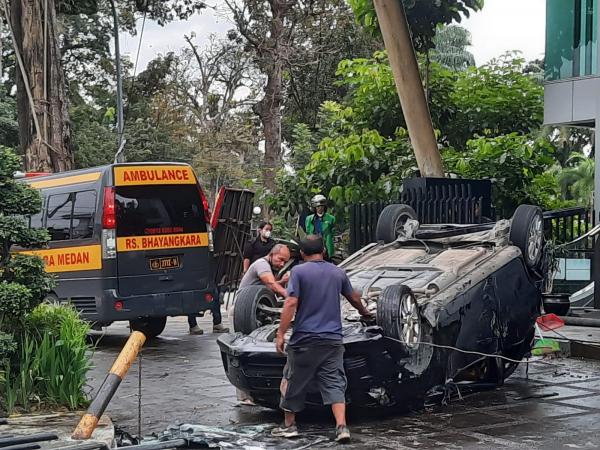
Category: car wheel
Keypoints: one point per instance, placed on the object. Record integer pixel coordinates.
(391, 221)
(51, 298)
(527, 233)
(248, 312)
(398, 315)
(150, 326)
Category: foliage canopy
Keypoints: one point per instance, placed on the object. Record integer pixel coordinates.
(423, 16)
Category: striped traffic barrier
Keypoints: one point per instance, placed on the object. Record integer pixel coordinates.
(89, 421)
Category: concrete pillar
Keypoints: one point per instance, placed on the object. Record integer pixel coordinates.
(396, 36)
(597, 166)
(596, 203)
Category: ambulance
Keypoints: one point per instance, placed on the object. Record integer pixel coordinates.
(129, 242)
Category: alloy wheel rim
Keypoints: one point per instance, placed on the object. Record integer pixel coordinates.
(400, 222)
(410, 321)
(534, 239)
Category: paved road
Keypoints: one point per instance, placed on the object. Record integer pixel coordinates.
(558, 406)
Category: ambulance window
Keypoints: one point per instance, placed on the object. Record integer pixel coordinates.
(35, 221)
(161, 209)
(60, 215)
(84, 213)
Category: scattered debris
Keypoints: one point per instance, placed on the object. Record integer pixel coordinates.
(537, 396)
(255, 437)
(545, 347)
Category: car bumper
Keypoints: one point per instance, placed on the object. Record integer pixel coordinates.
(253, 365)
(150, 305)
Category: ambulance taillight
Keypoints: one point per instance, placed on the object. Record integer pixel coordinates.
(109, 224)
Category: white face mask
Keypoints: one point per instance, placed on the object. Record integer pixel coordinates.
(266, 234)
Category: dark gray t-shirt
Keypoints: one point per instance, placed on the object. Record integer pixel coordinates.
(256, 269)
(318, 285)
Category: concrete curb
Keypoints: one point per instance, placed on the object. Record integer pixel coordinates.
(577, 341)
(61, 423)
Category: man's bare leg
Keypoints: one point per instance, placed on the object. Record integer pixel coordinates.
(290, 418)
(339, 412)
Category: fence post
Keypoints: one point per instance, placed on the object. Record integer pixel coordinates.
(596, 272)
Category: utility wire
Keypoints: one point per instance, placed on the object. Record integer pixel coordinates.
(137, 56)
(469, 352)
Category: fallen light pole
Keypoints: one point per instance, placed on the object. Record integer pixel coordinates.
(396, 36)
(90, 419)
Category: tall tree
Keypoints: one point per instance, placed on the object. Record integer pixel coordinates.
(218, 85)
(42, 101)
(423, 16)
(450, 49)
(401, 43)
(44, 130)
(268, 27)
(328, 34)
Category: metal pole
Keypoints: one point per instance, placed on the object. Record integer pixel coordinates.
(140, 395)
(120, 122)
(596, 272)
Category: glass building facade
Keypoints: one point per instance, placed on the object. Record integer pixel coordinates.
(571, 39)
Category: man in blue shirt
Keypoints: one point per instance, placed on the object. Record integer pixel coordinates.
(315, 350)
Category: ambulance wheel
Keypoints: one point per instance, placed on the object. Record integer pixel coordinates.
(150, 326)
(51, 298)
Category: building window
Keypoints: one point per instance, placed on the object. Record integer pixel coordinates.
(571, 38)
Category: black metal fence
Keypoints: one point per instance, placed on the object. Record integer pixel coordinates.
(434, 200)
(566, 225)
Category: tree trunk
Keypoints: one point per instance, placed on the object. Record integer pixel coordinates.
(269, 107)
(396, 36)
(269, 111)
(47, 149)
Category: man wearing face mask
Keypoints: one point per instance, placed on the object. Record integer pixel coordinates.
(259, 247)
(322, 224)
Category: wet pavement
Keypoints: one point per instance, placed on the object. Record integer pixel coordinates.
(557, 405)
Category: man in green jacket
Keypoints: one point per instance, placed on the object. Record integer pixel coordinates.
(321, 223)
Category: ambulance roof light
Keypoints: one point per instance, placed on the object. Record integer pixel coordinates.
(20, 174)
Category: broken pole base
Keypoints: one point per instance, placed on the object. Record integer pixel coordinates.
(89, 421)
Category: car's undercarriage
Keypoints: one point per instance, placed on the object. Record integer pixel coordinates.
(455, 308)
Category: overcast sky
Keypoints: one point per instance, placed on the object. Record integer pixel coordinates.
(501, 26)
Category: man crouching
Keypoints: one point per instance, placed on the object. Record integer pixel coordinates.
(315, 350)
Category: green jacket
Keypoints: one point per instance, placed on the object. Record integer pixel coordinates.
(327, 226)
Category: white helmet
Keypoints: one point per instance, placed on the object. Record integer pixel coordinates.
(318, 200)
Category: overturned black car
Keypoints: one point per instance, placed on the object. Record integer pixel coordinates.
(455, 309)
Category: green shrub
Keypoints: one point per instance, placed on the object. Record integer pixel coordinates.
(52, 362)
(42, 353)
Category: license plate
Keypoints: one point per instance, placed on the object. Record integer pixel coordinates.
(165, 262)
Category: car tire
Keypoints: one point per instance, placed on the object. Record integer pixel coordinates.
(527, 233)
(246, 315)
(396, 308)
(51, 298)
(150, 326)
(391, 219)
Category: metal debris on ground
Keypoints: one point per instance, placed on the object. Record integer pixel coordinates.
(255, 437)
(25, 440)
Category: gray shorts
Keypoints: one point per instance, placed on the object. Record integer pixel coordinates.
(323, 363)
